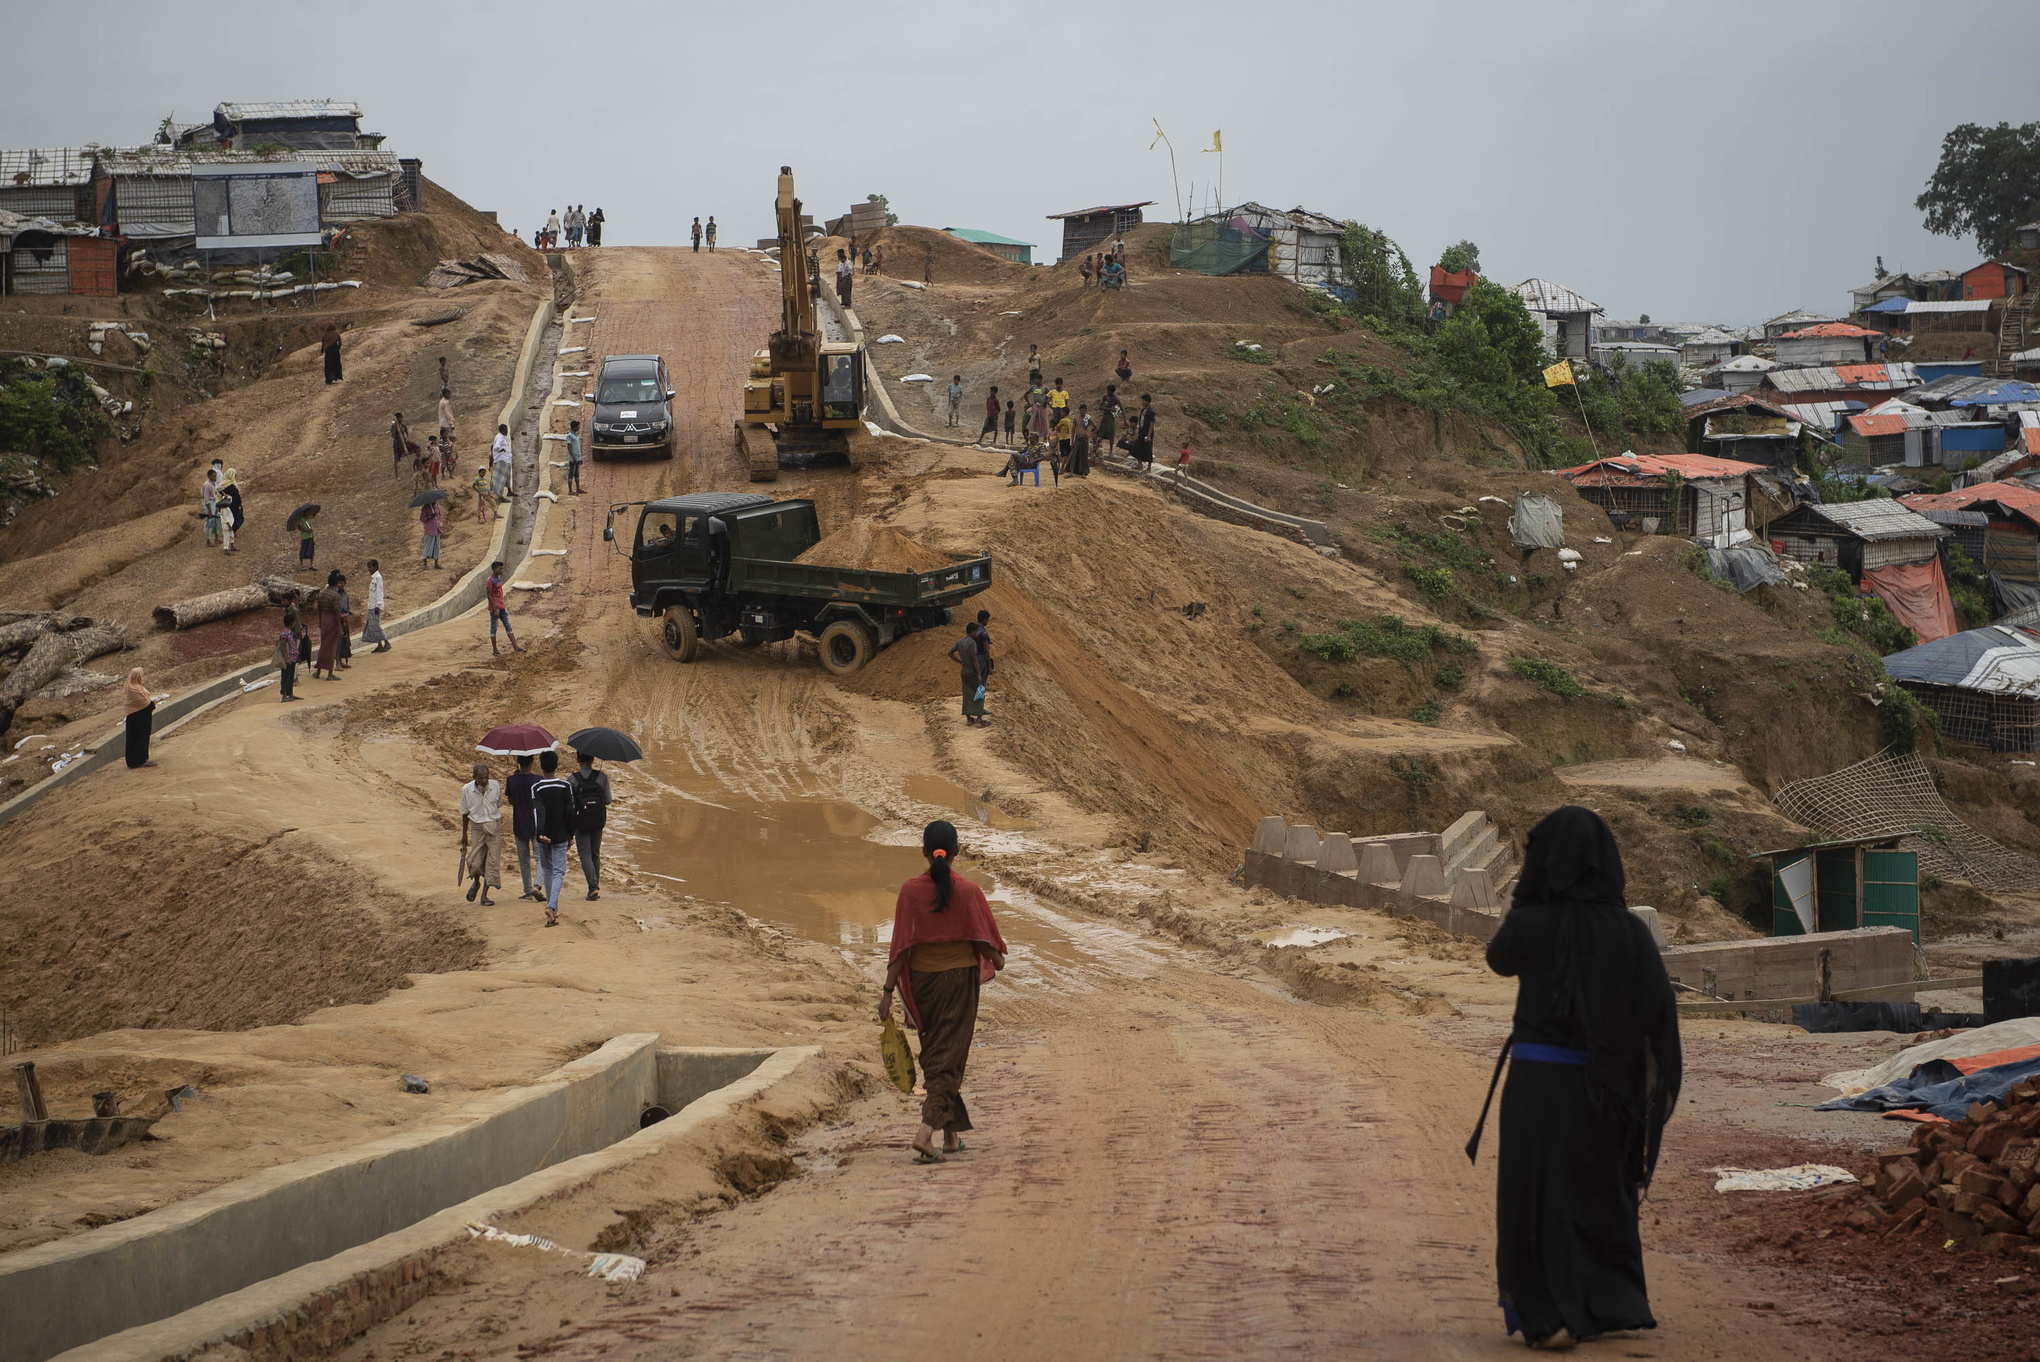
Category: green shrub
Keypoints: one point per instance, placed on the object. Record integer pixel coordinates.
(1547, 676)
(1899, 717)
(1449, 676)
(1865, 616)
(52, 417)
(1385, 636)
(1428, 712)
(1437, 583)
(1692, 815)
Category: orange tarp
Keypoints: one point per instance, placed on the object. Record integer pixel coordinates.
(1918, 594)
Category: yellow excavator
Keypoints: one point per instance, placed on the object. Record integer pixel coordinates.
(805, 395)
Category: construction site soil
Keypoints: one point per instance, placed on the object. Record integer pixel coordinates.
(1195, 1142)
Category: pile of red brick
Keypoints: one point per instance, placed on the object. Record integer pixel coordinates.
(1976, 1177)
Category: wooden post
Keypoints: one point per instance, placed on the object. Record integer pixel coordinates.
(105, 1104)
(32, 1108)
(1824, 976)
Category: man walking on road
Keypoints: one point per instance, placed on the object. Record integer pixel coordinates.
(519, 788)
(552, 821)
(955, 398)
(498, 611)
(591, 813)
(845, 272)
(573, 458)
(500, 457)
(481, 834)
(709, 232)
(695, 231)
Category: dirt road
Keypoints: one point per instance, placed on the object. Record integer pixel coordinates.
(1176, 1158)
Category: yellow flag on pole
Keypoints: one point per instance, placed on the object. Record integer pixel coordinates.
(1215, 144)
(1559, 375)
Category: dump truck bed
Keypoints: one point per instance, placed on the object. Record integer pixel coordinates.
(963, 578)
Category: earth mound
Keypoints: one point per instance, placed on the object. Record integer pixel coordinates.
(870, 547)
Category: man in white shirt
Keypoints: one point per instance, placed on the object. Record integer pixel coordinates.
(845, 272)
(372, 630)
(499, 463)
(955, 397)
(481, 833)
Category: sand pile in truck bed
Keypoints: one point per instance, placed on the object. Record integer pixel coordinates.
(871, 547)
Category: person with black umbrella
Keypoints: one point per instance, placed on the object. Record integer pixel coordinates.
(591, 813)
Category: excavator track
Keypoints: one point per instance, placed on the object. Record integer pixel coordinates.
(758, 451)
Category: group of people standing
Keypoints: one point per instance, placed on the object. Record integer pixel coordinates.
(581, 227)
(220, 511)
(701, 233)
(548, 814)
(332, 608)
(1048, 429)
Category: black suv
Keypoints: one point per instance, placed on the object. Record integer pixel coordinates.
(633, 400)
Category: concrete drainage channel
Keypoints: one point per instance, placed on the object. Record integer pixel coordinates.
(303, 1256)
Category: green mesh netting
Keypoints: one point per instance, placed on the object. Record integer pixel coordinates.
(1215, 248)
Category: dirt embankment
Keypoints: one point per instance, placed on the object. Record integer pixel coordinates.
(123, 536)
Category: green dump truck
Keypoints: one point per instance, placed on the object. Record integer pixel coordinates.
(712, 564)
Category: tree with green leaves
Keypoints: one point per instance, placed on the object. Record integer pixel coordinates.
(1492, 334)
(1459, 258)
(1987, 183)
(1381, 277)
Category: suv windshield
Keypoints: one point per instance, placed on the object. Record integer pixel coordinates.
(629, 388)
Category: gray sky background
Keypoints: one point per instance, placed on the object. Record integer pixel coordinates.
(1719, 163)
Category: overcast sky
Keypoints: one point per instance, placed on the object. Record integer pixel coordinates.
(1709, 163)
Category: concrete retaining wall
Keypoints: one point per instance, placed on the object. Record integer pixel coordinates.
(1403, 874)
(464, 596)
(1784, 966)
(65, 1294)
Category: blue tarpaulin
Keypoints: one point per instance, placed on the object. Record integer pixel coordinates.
(1940, 1089)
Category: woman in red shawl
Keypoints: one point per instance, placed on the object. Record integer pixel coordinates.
(945, 946)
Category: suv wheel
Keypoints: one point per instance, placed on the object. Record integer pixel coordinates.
(846, 646)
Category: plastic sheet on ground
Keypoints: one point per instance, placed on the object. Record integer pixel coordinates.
(1800, 1177)
(1538, 523)
(1918, 594)
(610, 1267)
(1940, 1089)
(2007, 1035)
(1744, 567)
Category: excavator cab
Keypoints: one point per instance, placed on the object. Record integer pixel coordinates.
(842, 382)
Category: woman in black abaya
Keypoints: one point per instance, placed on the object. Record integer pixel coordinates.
(1593, 1079)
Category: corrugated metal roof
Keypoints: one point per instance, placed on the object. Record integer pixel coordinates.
(13, 224)
(1748, 364)
(288, 108)
(1970, 519)
(1101, 208)
(1819, 377)
(1708, 336)
(1820, 415)
(1876, 520)
(1881, 423)
(1541, 295)
(1828, 329)
(2027, 356)
(1884, 305)
(1317, 222)
(1798, 316)
(972, 234)
(1631, 466)
(1997, 658)
(1936, 277)
(1694, 397)
(45, 166)
(2015, 496)
(1950, 305)
(158, 159)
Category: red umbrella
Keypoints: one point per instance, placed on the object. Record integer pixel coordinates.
(516, 740)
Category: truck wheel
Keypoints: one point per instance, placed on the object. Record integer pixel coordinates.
(846, 646)
(677, 632)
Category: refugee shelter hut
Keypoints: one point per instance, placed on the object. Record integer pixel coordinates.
(42, 256)
(1984, 683)
(1844, 886)
(1829, 343)
(297, 124)
(1936, 285)
(2011, 544)
(1683, 494)
(1897, 286)
(150, 187)
(1743, 373)
(1005, 247)
(48, 182)
(1567, 318)
(1948, 314)
(1793, 321)
(2028, 234)
(1633, 355)
(1746, 428)
(1086, 229)
(1994, 279)
(1303, 247)
(1704, 349)
(1885, 547)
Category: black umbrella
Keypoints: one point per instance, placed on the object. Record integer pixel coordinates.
(605, 744)
(427, 497)
(309, 508)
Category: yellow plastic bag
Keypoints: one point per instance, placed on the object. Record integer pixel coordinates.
(899, 1059)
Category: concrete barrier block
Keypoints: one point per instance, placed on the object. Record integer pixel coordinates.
(1270, 835)
(1335, 854)
(1650, 919)
(1463, 830)
(1301, 846)
(1423, 877)
(1259, 869)
(1783, 966)
(1376, 864)
(1472, 890)
(1480, 926)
